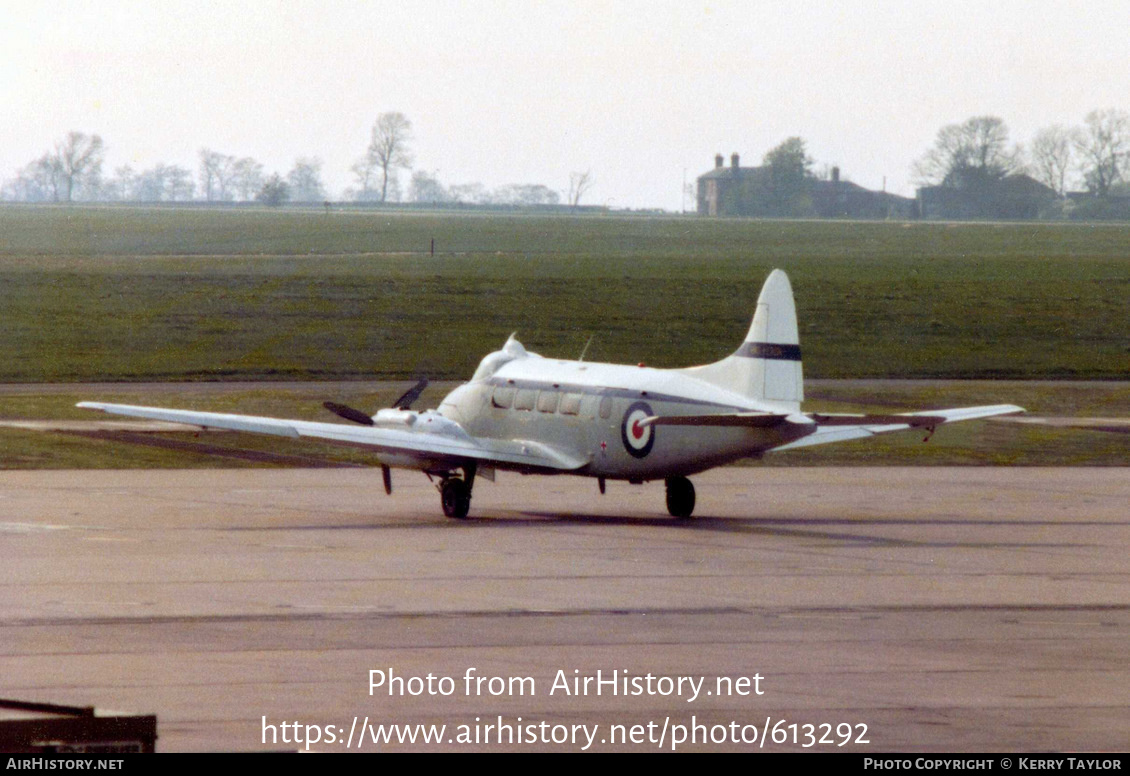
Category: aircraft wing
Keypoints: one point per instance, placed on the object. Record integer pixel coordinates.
(449, 444)
(827, 428)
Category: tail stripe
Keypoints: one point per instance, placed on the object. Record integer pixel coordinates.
(769, 350)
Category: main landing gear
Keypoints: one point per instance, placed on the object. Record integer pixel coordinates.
(680, 496)
(455, 493)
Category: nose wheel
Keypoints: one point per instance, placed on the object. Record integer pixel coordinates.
(680, 497)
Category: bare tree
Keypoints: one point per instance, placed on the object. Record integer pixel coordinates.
(1104, 146)
(149, 186)
(305, 181)
(977, 148)
(425, 187)
(388, 150)
(121, 187)
(365, 172)
(246, 178)
(1052, 156)
(472, 193)
(525, 194)
(78, 164)
(178, 184)
(40, 181)
(579, 184)
(215, 175)
(163, 183)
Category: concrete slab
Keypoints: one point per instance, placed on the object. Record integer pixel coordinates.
(956, 609)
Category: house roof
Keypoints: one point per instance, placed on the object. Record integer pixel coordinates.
(728, 172)
(838, 186)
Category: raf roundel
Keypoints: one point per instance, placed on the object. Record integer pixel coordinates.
(638, 439)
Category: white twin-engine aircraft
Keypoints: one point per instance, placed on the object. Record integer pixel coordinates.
(525, 413)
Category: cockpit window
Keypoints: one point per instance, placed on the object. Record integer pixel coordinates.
(503, 397)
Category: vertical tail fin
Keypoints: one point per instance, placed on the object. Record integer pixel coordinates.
(767, 366)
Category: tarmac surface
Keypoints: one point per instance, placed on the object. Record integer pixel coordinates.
(916, 609)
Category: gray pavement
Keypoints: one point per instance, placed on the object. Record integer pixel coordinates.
(945, 609)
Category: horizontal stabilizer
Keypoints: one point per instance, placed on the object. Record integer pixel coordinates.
(1112, 425)
(817, 428)
(912, 420)
(770, 419)
(841, 428)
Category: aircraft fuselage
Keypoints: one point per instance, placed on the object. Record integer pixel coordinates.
(593, 410)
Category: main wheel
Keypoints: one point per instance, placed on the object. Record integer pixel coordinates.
(680, 496)
(456, 498)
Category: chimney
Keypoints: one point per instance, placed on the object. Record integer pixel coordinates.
(835, 175)
(734, 162)
(718, 161)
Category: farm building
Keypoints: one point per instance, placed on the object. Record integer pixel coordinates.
(746, 191)
(973, 196)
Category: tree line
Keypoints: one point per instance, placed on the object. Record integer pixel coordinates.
(73, 171)
(1094, 156)
(972, 170)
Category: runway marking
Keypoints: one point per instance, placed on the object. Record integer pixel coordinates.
(31, 527)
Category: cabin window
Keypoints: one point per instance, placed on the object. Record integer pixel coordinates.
(524, 399)
(547, 401)
(570, 404)
(606, 407)
(503, 398)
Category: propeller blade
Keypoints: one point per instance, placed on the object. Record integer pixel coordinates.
(357, 416)
(409, 396)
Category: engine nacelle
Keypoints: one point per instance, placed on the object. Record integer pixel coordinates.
(394, 417)
(432, 422)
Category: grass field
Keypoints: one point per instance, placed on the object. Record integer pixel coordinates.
(129, 294)
(135, 295)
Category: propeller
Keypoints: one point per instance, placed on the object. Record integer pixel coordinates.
(357, 416)
(341, 410)
(409, 396)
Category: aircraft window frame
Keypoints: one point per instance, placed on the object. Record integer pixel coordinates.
(503, 397)
(547, 401)
(525, 399)
(570, 404)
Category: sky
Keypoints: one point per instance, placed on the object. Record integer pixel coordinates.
(641, 94)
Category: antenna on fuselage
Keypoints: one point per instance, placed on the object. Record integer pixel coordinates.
(586, 348)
